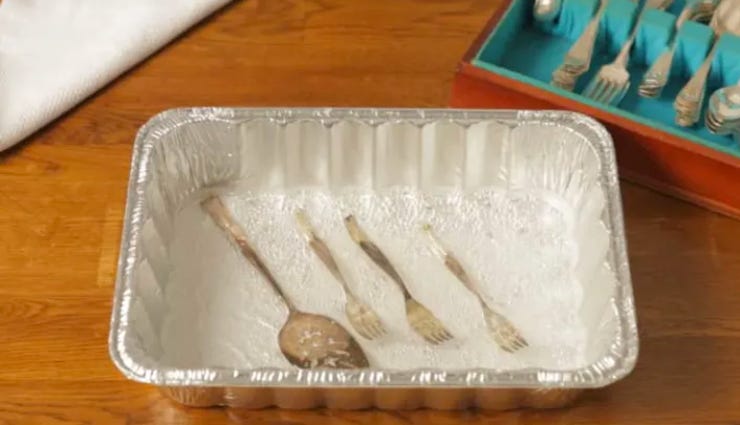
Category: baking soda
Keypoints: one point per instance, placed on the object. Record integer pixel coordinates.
(518, 247)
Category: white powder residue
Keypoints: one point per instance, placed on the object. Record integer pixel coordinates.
(518, 248)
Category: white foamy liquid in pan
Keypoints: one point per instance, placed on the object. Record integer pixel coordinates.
(221, 312)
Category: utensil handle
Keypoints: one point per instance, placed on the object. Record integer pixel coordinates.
(694, 89)
(360, 237)
(624, 52)
(222, 217)
(684, 17)
(582, 50)
(452, 263)
(321, 250)
(623, 56)
(661, 68)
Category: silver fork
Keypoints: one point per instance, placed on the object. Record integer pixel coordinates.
(501, 329)
(365, 321)
(421, 319)
(611, 83)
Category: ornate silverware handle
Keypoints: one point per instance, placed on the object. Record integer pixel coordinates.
(694, 90)
(662, 66)
(579, 55)
(216, 209)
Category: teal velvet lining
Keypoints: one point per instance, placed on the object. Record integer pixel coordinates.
(530, 51)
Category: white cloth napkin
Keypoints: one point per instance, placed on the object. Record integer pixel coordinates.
(55, 53)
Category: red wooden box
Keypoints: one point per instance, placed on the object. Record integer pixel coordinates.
(646, 155)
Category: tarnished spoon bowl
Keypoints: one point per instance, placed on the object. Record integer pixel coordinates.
(546, 10)
(312, 341)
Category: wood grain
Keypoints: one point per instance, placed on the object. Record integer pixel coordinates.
(62, 195)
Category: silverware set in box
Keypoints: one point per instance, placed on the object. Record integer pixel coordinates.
(700, 46)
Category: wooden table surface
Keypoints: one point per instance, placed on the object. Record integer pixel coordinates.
(62, 196)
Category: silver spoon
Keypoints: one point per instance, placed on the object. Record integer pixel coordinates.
(723, 115)
(546, 10)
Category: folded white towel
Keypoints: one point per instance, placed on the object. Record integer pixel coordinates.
(55, 53)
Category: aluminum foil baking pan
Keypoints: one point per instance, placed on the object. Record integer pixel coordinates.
(530, 200)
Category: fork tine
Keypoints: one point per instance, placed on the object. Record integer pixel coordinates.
(606, 94)
(446, 335)
(618, 95)
(373, 329)
(373, 332)
(369, 330)
(513, 347)
(363, 332)
(431, 338)
(439, 335)
(380, 329)
(517, 343)
(368, 323)
(434, 332)
(505, 347)
(599, 93)
(370, 334)
(420, 329)
(506, 335)
(621, 93)
(592, 87)
(598, 89)
(613, 93)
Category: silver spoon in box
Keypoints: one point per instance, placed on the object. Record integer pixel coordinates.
(546, 10)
